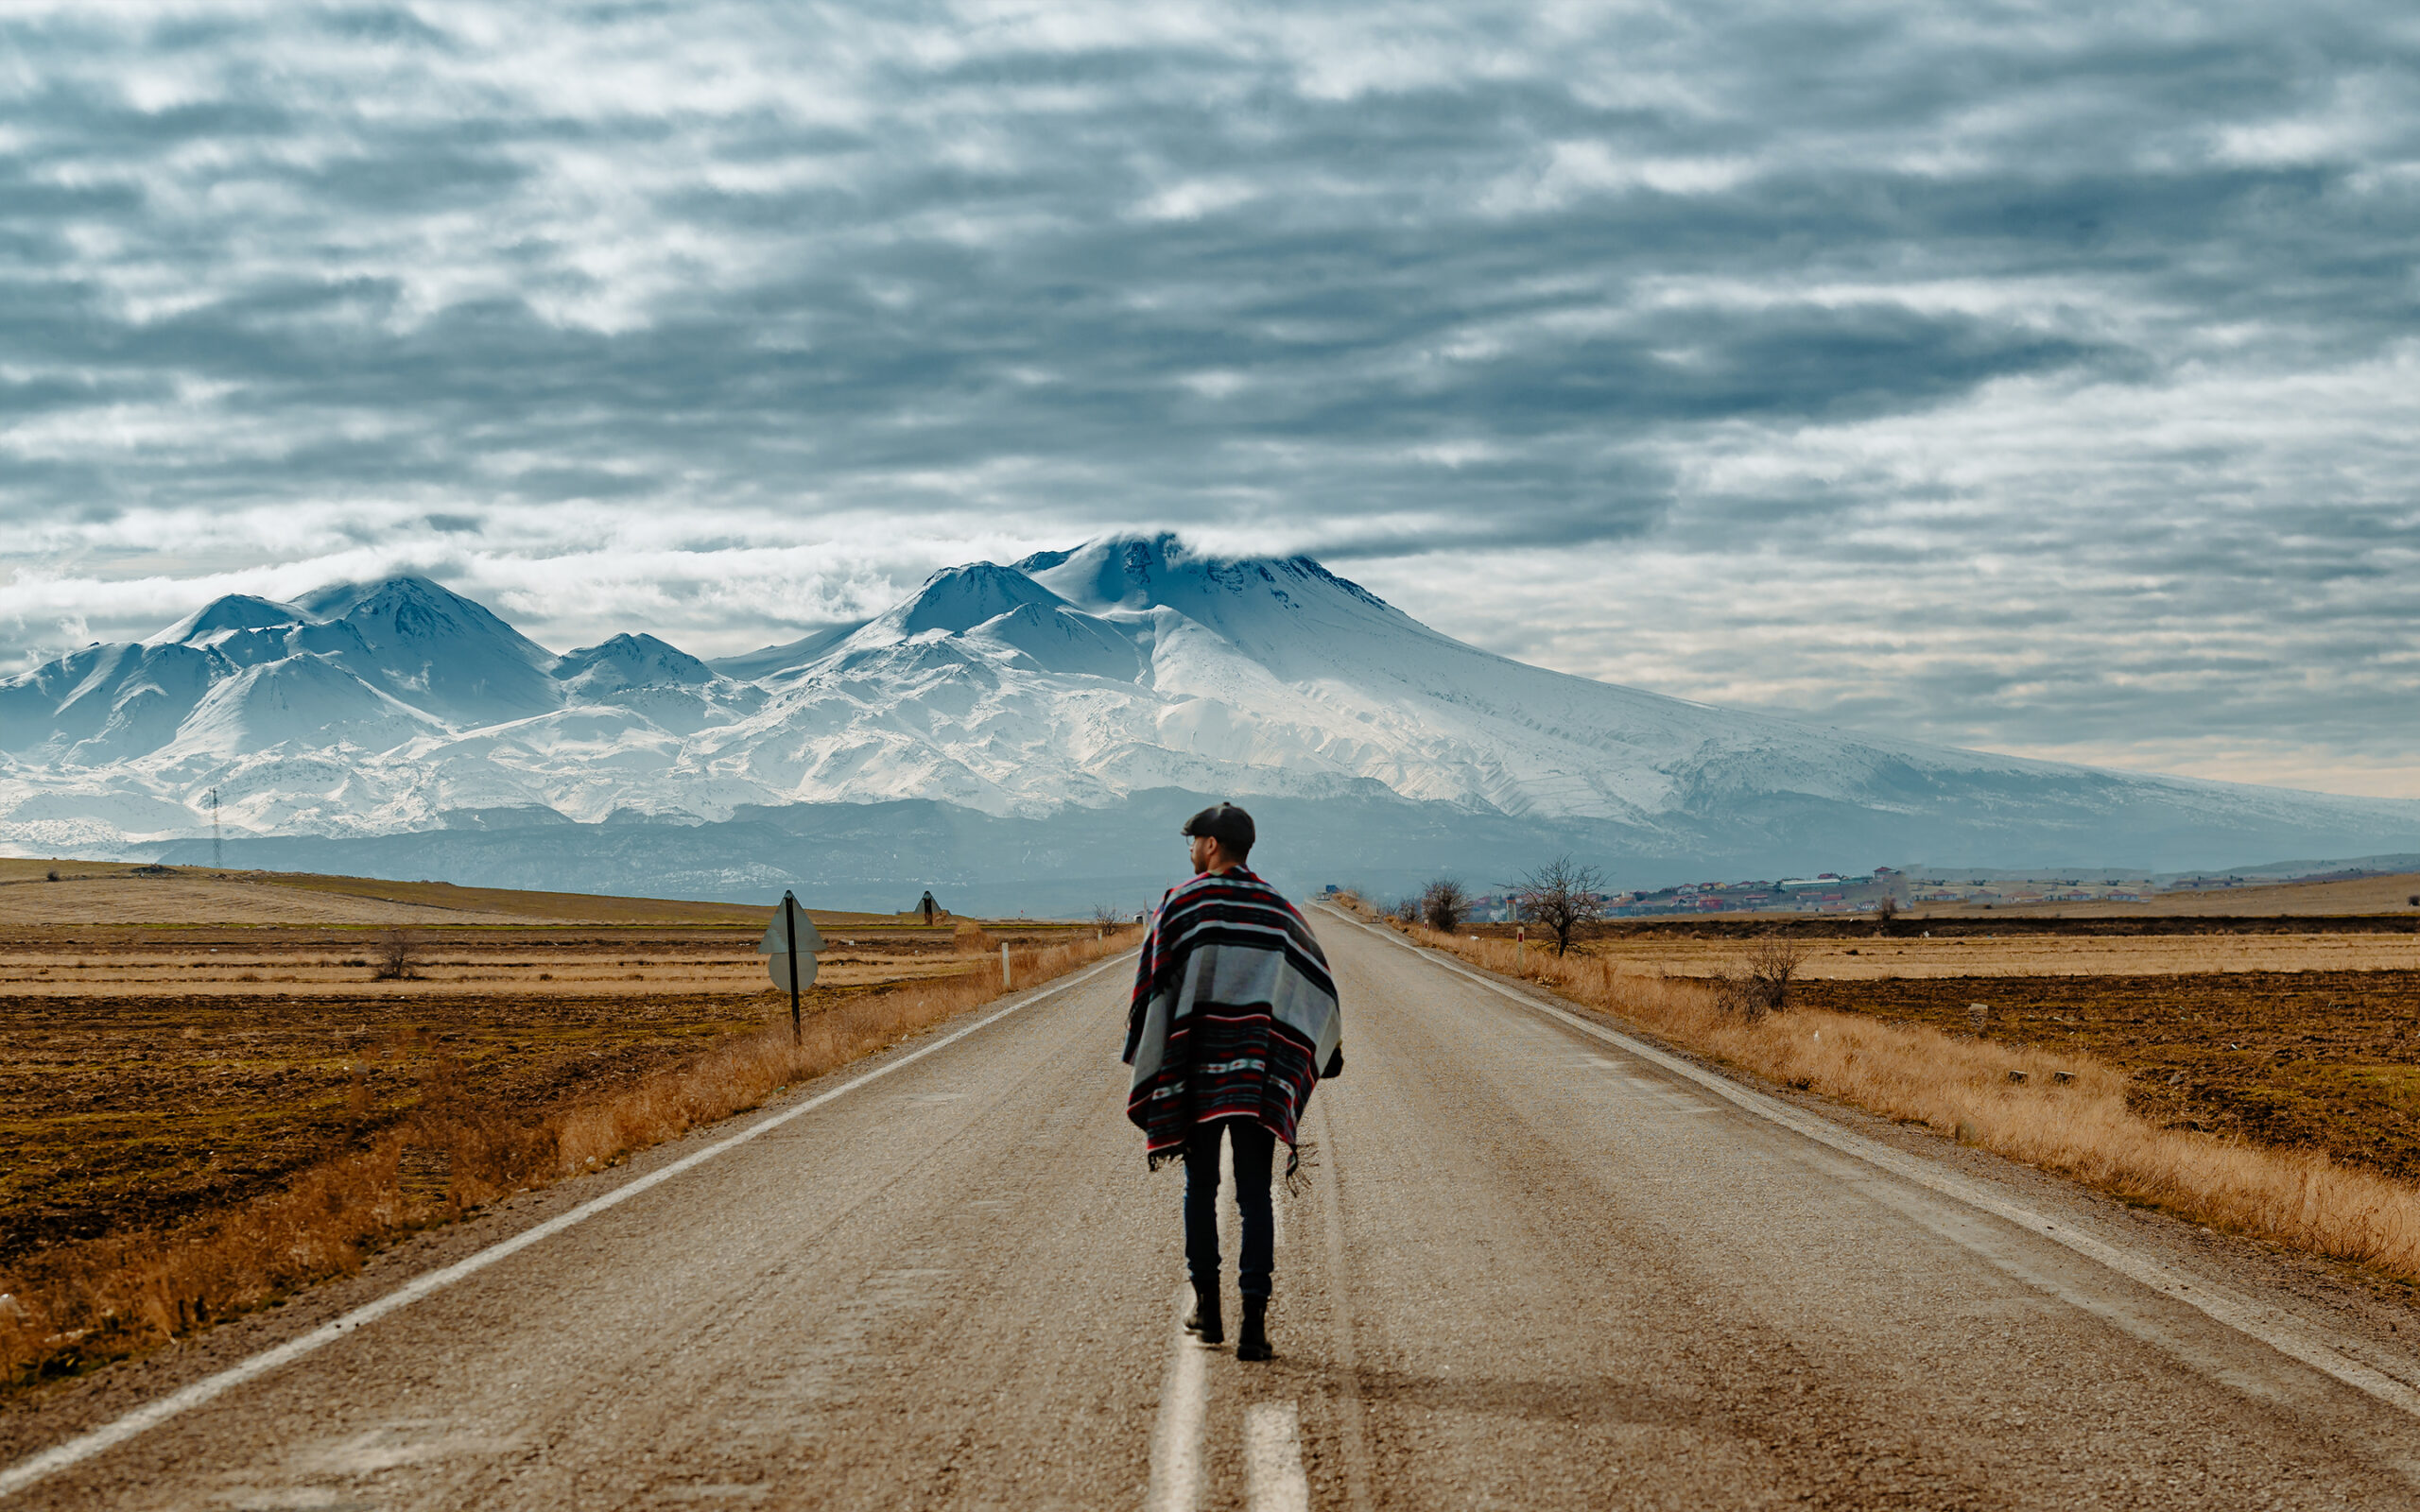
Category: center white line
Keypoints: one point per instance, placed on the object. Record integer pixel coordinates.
(1176, 1439)
(1273, 1478)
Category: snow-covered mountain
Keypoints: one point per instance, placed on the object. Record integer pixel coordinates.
(1090, 680)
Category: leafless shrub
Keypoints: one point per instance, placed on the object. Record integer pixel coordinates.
(1105, 918)
(1406, 911)
(1444, 904)
(1759, 984)
(1886, 910)
(1560, 896)
(398, 958)
(54, 877)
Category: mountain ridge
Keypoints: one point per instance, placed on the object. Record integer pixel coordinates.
(1066, 681)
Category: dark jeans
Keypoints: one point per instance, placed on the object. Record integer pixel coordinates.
(1254, 1146)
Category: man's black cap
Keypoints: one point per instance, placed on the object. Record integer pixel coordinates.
(1225, 823)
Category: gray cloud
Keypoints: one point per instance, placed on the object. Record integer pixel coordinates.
(2031, 380)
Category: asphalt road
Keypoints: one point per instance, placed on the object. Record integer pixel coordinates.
(1534, 1270)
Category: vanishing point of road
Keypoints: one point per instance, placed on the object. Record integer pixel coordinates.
(1538, 1267)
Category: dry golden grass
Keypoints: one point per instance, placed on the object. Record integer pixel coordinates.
(79, 1304)
(1961, 1087)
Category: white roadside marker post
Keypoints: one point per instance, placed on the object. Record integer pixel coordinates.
(1004, 966)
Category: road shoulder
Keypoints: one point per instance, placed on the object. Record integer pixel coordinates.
(2368, 1317)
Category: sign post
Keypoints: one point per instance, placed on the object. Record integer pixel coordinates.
(790, 928)
(791, 940)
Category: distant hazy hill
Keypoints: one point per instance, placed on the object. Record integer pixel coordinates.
(1037, 724)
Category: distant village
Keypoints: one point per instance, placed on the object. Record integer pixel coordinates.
(1831, 892)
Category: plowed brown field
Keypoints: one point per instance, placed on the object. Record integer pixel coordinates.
(150, 1074)
(2329, 1059)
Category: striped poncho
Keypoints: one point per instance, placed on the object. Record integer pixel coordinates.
(1233, 1013)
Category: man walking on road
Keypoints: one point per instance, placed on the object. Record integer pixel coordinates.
(1234, 1020)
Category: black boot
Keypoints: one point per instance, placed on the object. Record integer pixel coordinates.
(1205, 1318)
(1254, 1344)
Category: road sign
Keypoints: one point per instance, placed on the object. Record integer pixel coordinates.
(778, 967)
(791, 937)
(777, 943)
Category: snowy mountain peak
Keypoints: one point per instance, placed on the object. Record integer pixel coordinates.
(221, 617)
(633, 662)
(1123, 572)
(409, 610)
(444, 653)
(1162, 571)
(337, 600)
(958, 599)
(1288, 614)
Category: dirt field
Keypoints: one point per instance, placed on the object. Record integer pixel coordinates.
(170, 1046)
(136, 1111)
(2329, 1059)
(2300, 1027)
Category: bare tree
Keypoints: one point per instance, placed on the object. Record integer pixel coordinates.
(1106, 918)
(1886, 909)
(1407, 910)
(398, 958)
(1562, 896)
(1759, 984)
(1444, 904)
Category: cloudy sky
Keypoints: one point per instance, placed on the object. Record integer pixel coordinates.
(2034, 377)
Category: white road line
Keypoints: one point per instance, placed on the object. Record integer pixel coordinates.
(74, 1450)
(2272, 1325)
(1176, 1437)
(1273, 1479)
(1231, 1211)
(1352, 1430)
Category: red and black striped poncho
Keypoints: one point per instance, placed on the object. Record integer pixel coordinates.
(1233, 1013)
